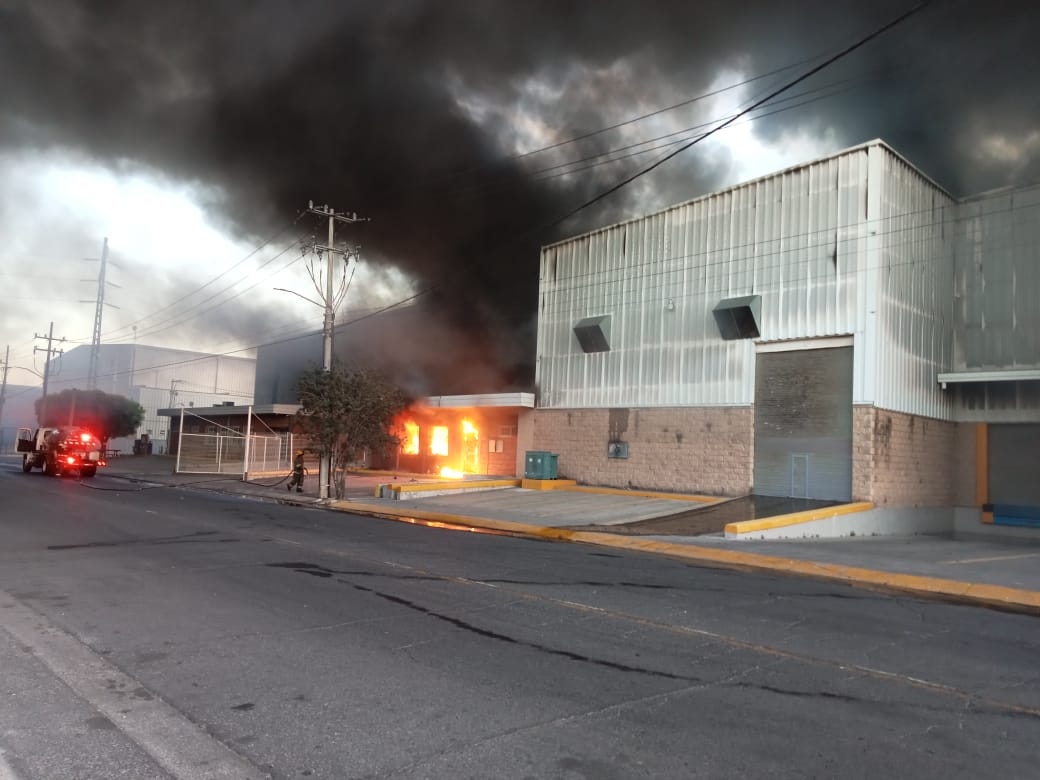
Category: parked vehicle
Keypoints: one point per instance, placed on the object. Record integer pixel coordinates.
(60, 450)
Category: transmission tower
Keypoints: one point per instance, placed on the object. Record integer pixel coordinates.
(95, 342)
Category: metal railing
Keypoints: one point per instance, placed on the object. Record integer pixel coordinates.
(225, 450)
(225, 453)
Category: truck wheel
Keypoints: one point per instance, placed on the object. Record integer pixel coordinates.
(88, 471)
(26, 464)
(48, 468)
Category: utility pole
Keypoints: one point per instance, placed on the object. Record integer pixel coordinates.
(133, 363)
(95, 349)
(330, 300)
(173, 389)
(50, 350)
(3, 390)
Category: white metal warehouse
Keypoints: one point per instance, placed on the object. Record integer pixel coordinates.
(156, 377)
(843, 330)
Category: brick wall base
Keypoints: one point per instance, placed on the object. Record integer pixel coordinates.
(898, 460)
(684, 449)
(904, 460)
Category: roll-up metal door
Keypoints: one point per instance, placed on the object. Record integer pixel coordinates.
(1014, 473)
(803, 424)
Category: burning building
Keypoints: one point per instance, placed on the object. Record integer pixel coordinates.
(455, 436)
(466, 434)
(842, 330)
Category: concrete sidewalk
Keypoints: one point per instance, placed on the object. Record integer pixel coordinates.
(996, 573)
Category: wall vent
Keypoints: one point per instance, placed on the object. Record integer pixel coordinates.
(594, 334)
(738, 318)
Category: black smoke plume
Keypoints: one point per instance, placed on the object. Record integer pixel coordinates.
(407, 112)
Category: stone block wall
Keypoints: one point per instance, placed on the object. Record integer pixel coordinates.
(683, 449)
(898, 460)
(905, 460)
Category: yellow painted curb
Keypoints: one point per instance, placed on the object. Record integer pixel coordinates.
(916, 585)
(386, 473)
(794, 518)
(422, 487)
(547, 484)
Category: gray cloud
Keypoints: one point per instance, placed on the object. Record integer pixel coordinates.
(356, 104)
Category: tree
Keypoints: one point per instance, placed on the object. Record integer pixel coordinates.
(107, 415)
(346, 412)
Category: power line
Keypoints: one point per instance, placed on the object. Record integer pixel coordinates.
(219, 276)
(478, 169)
(154, 328)
(419, 294)
(176, 319)
(628, 180)
(760, 102)
(828, 90)
(876, 226)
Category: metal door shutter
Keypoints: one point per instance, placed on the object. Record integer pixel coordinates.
(803, 424)
(1014, 464)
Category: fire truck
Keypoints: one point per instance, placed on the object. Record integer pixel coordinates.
(60, 450)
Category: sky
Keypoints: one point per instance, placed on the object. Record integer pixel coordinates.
(193, 135)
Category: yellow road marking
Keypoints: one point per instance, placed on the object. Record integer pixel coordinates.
(993, 558)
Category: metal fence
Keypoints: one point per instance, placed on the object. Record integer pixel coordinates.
(226, 452)
(270, 454)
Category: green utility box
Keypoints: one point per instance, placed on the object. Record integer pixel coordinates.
(540, 465)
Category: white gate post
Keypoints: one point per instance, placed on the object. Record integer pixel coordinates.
(245, 457)
(180, 444)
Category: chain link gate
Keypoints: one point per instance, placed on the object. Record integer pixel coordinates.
(228, 451)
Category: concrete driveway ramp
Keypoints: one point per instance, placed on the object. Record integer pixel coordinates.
(556, 508)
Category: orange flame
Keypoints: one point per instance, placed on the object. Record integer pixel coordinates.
(439, 441)
(470, 447)
(451, 473)
(410, 443)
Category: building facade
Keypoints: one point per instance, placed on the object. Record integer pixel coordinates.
(156, 377)
(842, 330)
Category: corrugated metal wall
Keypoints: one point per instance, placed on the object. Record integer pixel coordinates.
(925, 284)
(914, 283)
(997, 261)
(796, 238)
(996, 317)
(195, 379)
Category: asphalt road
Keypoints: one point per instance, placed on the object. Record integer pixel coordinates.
(171, 633)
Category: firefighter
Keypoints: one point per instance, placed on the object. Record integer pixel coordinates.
(297, 473)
